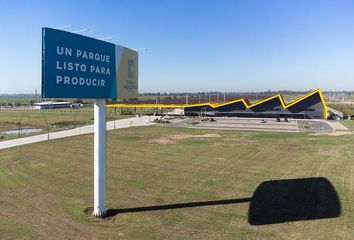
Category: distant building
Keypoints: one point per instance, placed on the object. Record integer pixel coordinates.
(52, 105)
(309, 106)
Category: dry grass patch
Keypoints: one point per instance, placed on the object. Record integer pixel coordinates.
(335, 134)
(171, 139)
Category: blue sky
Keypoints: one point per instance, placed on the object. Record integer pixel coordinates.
(200, 45)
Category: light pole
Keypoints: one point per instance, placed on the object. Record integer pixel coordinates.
(105, 38)
(139, 49)
(62, 27)
(80, 30)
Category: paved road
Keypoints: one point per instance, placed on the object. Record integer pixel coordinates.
(337, 126)
(124, 123)
(320, 126)
(241, 124)
(256, 124)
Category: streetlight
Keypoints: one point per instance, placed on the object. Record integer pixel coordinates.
(62, 27)
(80, 30)
(105, 38)
(139, 49)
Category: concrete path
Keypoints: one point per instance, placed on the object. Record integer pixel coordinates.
(338, 126)
(123, 123)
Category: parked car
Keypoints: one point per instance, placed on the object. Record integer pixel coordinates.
(335, 117)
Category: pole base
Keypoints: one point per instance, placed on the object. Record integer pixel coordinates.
(99, 214)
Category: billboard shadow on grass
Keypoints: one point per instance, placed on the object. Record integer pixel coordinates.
(275, 201)
(279, 201)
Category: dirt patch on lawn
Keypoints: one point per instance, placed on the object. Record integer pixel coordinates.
(240, 139)
(161, 140)
(175, 137)
(290, 146)
(335, 134)
(207, 136)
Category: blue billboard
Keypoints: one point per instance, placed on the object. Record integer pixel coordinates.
(76, 66)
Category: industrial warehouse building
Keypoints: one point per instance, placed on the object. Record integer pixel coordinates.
(310, 106)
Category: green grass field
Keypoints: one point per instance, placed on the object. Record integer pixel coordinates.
(45, 188)
(58, 119)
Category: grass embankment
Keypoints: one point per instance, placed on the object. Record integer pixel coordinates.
(347, 109)
(45, 187)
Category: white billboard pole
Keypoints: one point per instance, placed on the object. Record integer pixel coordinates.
(99, 208)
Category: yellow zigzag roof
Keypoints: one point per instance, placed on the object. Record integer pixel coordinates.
(216, 105)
